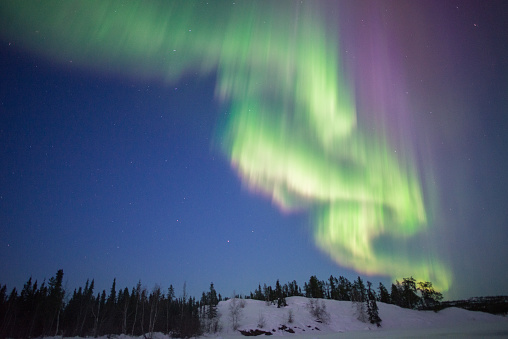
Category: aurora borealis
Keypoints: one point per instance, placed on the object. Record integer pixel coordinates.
(319, 119)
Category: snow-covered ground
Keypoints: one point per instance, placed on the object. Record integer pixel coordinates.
(343, 323)
(396, 322)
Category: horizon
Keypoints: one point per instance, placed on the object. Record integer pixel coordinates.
(179, 292)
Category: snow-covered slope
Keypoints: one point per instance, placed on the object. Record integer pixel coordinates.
(396, 321)
(343, 323)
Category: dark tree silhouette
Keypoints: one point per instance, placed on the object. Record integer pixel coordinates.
(43, 311)
(384, 296)
(279, 295)
(409, 295)
(430, 297)
(372, 309)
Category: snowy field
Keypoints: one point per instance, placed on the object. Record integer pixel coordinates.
(343, 323)
(396, 322)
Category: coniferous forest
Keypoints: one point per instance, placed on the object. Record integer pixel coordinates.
(46, 309)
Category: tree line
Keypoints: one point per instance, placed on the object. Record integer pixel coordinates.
(407, 294)
(43, 311)
(48, 310)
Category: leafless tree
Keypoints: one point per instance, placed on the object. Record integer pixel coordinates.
(154, 308)
(318, 310)
(291, 317)
(136, 294)
(235, 312)
(261, 320)
(143, 300)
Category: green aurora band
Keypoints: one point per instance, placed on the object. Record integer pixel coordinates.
(292, 133)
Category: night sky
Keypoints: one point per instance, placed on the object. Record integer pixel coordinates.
(244, 142)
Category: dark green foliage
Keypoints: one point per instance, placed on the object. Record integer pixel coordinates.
(40, 311)
(77, 314)
(267, 293)
(406, 294)
(430, 297)
(293, 289)
(208, 309)
(110, 312)
(384, 296)
(359, 298)
(28, 307)
(279, 295)
(344, 289)
(11, 310)
(123, 304)
(54, 304)
(396, 294)
(314, 289)
(332, 288)
(212, 301)
(358, 292)
(35, 312)
(409, 295)
(372, 309)
(258, 294)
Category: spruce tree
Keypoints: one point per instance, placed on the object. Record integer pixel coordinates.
(258, 293)
(154, 302)
(411, 299)
(372, 309)
(294, 290)
(359, 296)
(55, 303)
(268, 292)
(211, 316)
(315, 287)
(307, 290)
(384, 296)
(110, 311)
(359, 292)
(281, 300)
(213, 301)
(332, 283)
(124, 303)
(396, 294)
(344, 289)
(430, 297)
(136, 300)
(27, 306)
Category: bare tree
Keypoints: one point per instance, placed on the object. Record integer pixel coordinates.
(143, 300)
(235, 312)
(291, 317)
(136, 294)
(97, 314)
(318, 310)
(169, 300)
(88, 304)
(261, 320)
(360, 311)
(123, 304)
(154, 308)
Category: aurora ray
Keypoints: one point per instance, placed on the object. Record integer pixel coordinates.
(292, 133)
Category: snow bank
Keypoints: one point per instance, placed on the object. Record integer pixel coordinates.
(396, 321)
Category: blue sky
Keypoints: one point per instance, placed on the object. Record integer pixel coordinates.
(107, 175)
